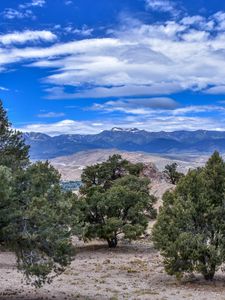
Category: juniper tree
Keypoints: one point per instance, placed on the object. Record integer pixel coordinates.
(35, 218)
(39, 229)
(190, 229)
(14, 153)
(172, 174)
(104, 174)
(114, 202)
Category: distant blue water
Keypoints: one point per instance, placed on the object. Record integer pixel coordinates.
(70, 185)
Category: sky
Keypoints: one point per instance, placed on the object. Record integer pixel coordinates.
(83, 66)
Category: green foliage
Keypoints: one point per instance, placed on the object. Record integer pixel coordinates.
(13, 151)
(190, 229)
(35, 219)
(105, 173)
(37, 226)
(5, 198)
(172, 174)
(114, 201)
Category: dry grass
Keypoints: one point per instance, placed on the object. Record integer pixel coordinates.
(131, 271)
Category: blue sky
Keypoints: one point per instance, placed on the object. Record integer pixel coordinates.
(84, 66)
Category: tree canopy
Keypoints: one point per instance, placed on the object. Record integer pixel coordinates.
(114, 201)
(190, 229)
(14, 153)
(172, 174)
(34, 218)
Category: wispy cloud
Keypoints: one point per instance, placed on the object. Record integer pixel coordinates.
(136, 106)
(128, 90)
(68, 2)
(4, 89)
(64, 126)
(33, 3)
(164, 107)
(39, 3)
(138, 59)
(23, 10)
(216, 90)
(10, 13)
(153, 114)
(167, 120)
(83, 31)
(162, 6)
(25, 36)
(51, 115)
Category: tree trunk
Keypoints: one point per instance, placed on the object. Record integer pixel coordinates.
(112, 242)
(209, 273)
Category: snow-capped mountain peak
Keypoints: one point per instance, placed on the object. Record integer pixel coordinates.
(118, 129)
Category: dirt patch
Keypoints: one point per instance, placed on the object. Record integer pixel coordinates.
(131, 271)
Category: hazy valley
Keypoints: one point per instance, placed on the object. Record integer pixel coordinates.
(71, 153)
(71, 166)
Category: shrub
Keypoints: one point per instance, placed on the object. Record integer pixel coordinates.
(190, 229)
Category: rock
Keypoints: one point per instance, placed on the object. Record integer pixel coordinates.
(151, 171)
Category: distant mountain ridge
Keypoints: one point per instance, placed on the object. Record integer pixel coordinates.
(44, 146)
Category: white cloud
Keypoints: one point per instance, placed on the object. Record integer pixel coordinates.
(4, 89)
(141, 106)
(156, 103)
(166, 107)
(10, 13)
(162, 6)
(68, 2)
(187, 118)
(216, 90)
(62, 127)
(191, 20)
(38, 3)
(83, 31)
(219, 18)
(23, 10)
(162, 88)
(51, 115)
(167, 118)
(25, 36)
(196, 36)
(33, 3)
(137, 60)
(197, 109)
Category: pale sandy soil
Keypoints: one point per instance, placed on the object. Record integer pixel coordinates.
(131, 271)
(72, 166)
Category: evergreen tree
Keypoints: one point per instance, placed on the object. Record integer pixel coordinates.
(5, 199)
(13, 151)
(114, 202)
(39, 228)
(105, 173)
(190, 229)
(35, 219)
(172, 174)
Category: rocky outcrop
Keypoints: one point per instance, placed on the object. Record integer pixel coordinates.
(151, 171)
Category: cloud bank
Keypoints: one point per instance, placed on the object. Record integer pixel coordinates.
(137, 60)
(135, 69)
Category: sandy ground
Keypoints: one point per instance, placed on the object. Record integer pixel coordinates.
(72, 166)
(131, 271)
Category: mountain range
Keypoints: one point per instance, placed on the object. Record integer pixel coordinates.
(44, 146)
